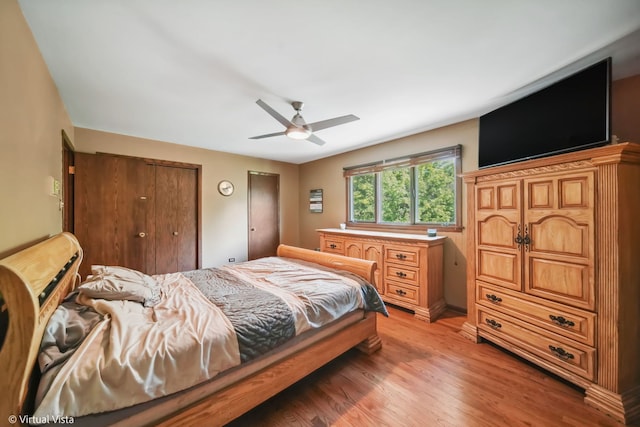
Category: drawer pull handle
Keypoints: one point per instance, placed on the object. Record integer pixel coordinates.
(401, 274)
(561, 353)
(400, 292)
(561, 321)
(401, 256)
(494, 299)
(332, 246)
(493, 324)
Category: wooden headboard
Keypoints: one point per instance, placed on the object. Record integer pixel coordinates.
(33, 282)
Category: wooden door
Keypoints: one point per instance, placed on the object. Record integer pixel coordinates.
(110, 210)
(559, 221)
(498, 224)
(264, 214)
(176, 218)
(68, 171)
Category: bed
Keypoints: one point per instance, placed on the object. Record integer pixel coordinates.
(35, 281)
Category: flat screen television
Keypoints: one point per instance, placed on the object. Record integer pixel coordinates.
(569, 115)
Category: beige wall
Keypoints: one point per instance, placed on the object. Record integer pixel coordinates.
(32, 117)
(327, 174)
(224, 219)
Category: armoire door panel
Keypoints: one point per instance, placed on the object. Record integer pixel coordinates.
(500, 268)
(564, 282)
(559, 258)
(503, 196)
(567, 195)
(498, 224)
(544, 237)
(508, 196)
(575, 192)
(485, 198)
(497, 231)
(541, 195)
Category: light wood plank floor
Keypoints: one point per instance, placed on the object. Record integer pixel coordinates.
(427, 375)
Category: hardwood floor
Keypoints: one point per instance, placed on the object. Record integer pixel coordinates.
(427, 375)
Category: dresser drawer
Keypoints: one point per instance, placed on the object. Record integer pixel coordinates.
(564, 353)
(402, 273)
(570, 322)
(407, 255)
(402, 292)
(332, 245)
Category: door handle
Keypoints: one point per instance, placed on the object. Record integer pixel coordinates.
(175, 233)
(142, 234)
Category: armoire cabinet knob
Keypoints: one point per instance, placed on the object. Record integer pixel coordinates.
(142, 234)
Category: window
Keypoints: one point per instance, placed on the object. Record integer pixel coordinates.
(417, 191)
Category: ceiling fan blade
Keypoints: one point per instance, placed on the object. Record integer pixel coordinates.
(315, 140)
(269, 135)
(274, 113)
(323, 124)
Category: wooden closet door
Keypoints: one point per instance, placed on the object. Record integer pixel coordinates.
(110, 210)
(176, 219)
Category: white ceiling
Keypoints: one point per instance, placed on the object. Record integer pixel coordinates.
(190, 71)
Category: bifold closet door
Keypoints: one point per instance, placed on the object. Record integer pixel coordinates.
(176, 219)
(136, 213)
(110, 219)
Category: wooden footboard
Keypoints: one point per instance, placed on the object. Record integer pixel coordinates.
(361, 267)
(226, 405)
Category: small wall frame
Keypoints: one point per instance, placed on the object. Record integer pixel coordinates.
(315, 200)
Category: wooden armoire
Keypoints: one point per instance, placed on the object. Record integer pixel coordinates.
(138, 213)
(553, 268)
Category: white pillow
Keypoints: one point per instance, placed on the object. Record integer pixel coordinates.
(121, 283)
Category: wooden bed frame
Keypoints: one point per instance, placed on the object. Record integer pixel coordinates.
(34, 281)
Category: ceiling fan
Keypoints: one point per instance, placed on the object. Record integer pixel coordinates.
(297, 128)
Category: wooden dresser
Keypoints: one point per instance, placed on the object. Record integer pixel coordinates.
(410, 266)
(554, 268)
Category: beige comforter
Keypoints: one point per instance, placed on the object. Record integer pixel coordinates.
(149, 352)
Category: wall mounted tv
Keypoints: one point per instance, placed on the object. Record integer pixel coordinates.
(569, 115)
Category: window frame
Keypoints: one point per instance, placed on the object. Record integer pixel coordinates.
(410, 161)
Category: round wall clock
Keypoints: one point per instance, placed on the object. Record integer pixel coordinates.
(225, 187)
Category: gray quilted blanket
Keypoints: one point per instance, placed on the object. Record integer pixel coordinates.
(271, 300)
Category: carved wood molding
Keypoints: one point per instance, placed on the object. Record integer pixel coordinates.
(519, 173)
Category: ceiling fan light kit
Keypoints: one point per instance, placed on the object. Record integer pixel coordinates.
(297, 133)
(297, 128)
